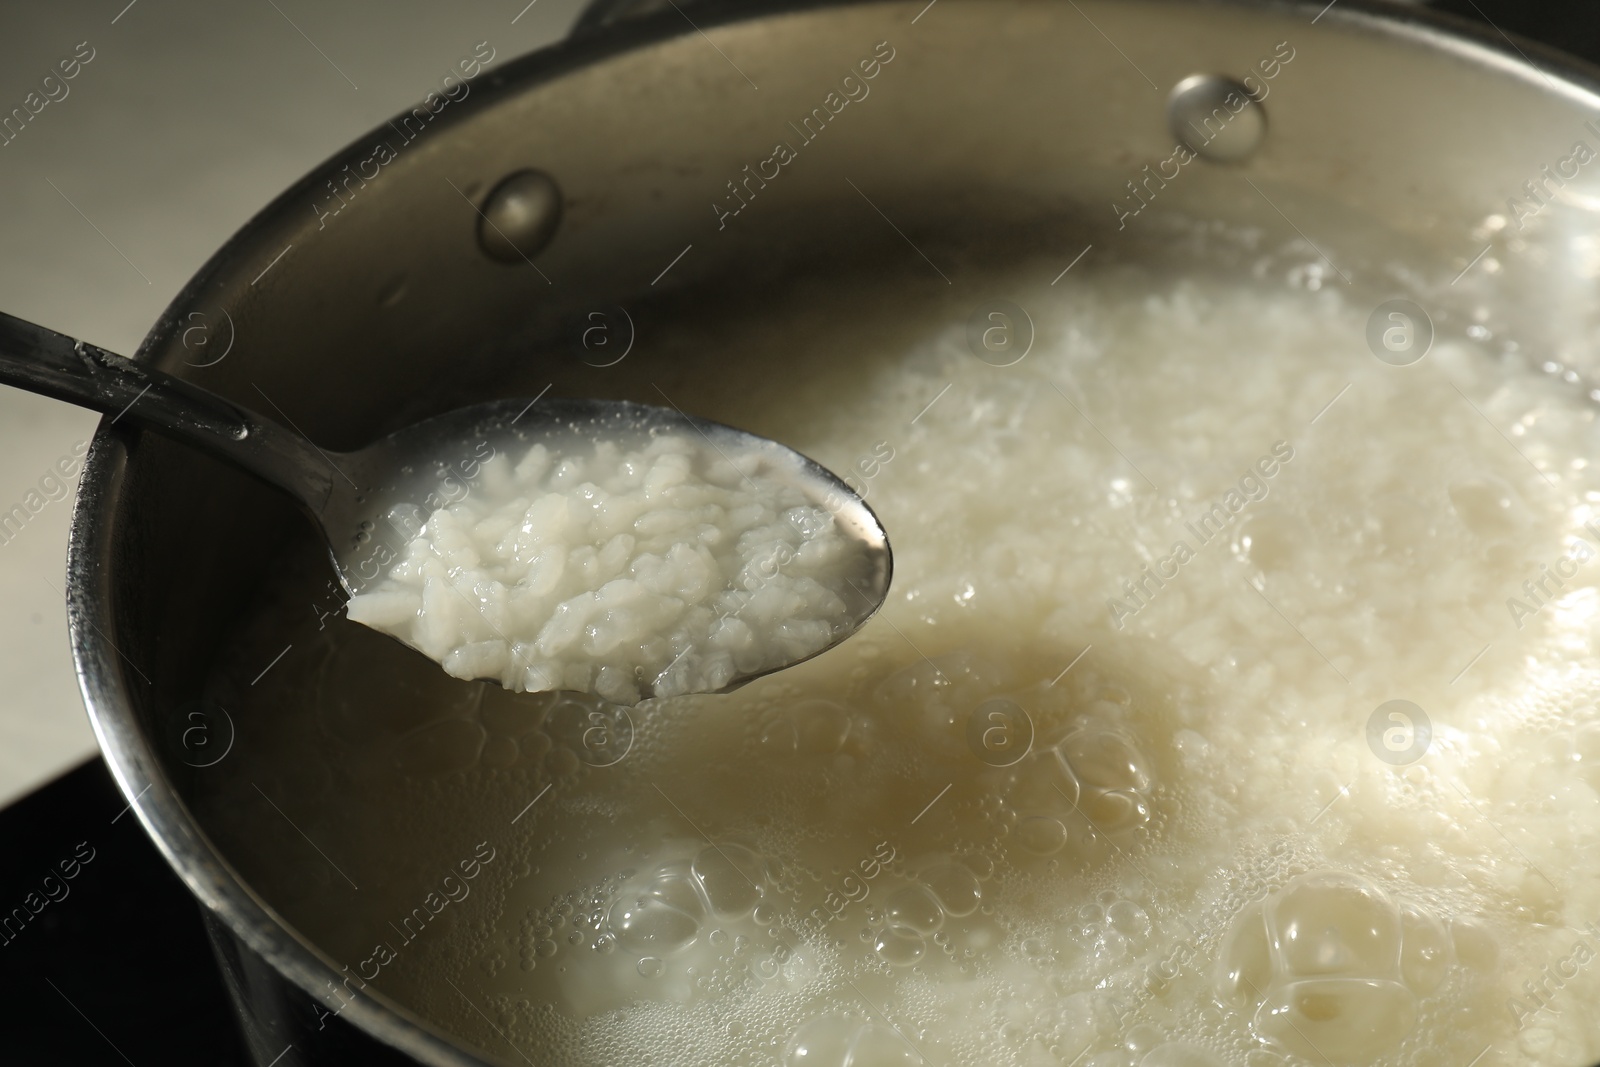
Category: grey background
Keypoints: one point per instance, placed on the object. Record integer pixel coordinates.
(190, 117)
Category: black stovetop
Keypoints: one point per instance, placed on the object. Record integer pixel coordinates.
(116, 968)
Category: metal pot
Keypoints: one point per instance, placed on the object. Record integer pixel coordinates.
(358, 300)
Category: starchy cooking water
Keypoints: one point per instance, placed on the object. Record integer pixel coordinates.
(1117, 778)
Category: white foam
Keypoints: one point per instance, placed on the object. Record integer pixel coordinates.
(1198, 859)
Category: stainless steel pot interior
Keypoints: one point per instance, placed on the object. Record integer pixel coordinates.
(1011, 123)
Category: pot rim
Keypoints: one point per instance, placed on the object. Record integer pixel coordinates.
(99, 664)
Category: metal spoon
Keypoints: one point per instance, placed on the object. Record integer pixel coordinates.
(369, 503)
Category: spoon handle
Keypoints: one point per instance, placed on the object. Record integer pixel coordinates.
(55, 365)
